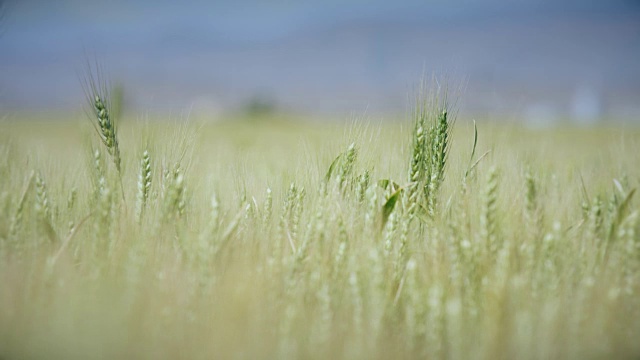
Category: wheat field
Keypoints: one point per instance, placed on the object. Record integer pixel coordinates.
(186, 239)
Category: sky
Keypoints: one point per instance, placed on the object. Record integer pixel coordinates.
(529, 58)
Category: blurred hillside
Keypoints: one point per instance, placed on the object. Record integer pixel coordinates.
(534, 59)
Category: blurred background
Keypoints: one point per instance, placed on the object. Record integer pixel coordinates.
(538, 61)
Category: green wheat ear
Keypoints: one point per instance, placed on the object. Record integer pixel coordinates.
(144, 185)
(431, 143)
(97, 93)
(107, 130)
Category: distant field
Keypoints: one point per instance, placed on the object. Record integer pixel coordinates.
(288, 239)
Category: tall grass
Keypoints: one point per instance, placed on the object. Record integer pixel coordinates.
(368, 247)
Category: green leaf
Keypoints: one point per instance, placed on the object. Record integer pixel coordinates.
(385, 183)
(584, 190)
(620, 213)
(389, 205)
(51, 233)
(473, 149)
(333, 165)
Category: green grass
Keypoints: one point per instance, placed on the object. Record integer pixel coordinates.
(247, 245)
